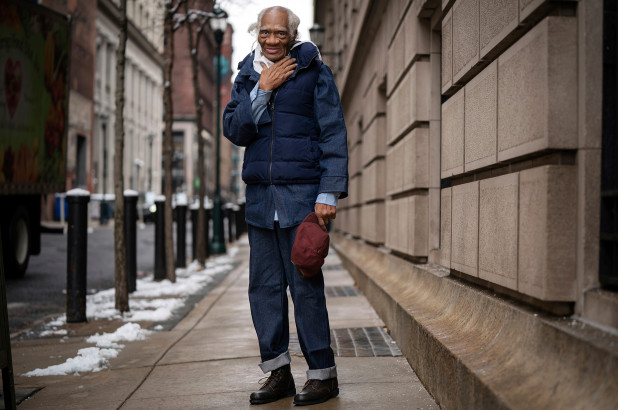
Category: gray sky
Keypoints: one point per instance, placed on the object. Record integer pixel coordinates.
(243, 13)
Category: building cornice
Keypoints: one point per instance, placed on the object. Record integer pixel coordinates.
(369, 18)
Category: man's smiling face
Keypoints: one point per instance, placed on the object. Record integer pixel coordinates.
(274, 38)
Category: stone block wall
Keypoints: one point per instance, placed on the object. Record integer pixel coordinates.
(475, 153)
(473, 144)
(510, 97)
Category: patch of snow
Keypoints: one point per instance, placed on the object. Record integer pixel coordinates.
(78, 192)
(89, 359)
(59, 321)
(126, 333)
(59, 332)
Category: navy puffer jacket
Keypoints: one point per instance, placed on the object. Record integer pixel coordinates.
(288, 145)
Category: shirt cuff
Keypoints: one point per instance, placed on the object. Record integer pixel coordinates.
(328, 198)
(259, 99)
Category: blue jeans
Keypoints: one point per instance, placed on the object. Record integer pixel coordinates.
(270, 273)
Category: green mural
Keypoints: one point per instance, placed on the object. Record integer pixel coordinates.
(34, 64)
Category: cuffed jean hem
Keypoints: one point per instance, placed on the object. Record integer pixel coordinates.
(277, 362)
(322, 374)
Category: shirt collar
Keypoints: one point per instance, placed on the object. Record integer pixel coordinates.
(258, 57)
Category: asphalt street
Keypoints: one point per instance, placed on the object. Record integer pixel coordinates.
(41, 292)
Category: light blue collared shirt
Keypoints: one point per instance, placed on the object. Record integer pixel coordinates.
(259, 100)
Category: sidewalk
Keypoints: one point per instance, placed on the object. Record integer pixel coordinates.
(209, 360)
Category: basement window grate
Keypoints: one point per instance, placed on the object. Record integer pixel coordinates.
(338, 291)
(356, 342)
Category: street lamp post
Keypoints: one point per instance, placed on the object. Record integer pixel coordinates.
(218, 23)
(103, 217)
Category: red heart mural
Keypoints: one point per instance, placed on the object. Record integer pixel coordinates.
(12, 84)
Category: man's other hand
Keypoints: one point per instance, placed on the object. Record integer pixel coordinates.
(276, 75)
(325, 214)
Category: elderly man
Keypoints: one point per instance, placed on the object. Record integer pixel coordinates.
(285, 110)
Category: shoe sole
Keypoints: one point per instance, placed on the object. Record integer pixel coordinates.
(288, 393)
(335, 393)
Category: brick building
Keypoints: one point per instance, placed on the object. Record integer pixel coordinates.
(90, 150)
(185, 126)
(474, 222)
(81, 101)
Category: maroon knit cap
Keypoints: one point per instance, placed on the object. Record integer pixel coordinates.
(310, 246)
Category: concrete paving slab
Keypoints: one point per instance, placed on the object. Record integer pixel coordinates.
(232, 400)
(343, 312)
(213, 344)
(140, 354)
(364, 383)
(351, 311)
(102, 390)
(337, 277)
(31, 354)
(241, 322)
(212, 298)
(185, 379)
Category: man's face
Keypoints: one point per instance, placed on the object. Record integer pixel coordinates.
(273, 36)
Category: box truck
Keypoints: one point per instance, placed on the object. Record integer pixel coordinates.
(35, 45)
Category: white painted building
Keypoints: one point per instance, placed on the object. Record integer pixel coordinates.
(143, 111)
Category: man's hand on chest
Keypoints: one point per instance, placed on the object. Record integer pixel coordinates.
(272, 77)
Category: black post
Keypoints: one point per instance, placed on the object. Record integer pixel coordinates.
(159, 270)
(181, 234)
(230, 223)
(237, 221)
(103, 208)
(6, 358)
(218, 241)
(130, 237)
(77, 246)
(194, 231)
(208, 217)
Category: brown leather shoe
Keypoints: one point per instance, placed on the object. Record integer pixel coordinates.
(317, 391)
(279, 384)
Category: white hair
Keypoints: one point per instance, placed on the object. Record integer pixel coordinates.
(293, 22)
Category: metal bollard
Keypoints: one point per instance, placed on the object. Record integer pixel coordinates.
(130, 237)
(194, 231)
(181, 234)
(230, 222)
(237, 222)
(208, 229)
(159, 269)
(77, 246)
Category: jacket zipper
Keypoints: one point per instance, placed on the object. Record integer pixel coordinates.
(272, 126)
(272, 137)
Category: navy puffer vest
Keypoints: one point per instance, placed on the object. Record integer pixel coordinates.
(286, 148)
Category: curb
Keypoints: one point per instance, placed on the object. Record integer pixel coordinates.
(472, 349)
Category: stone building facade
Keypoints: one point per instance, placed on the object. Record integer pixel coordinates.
(473, 223)
(143, 96)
